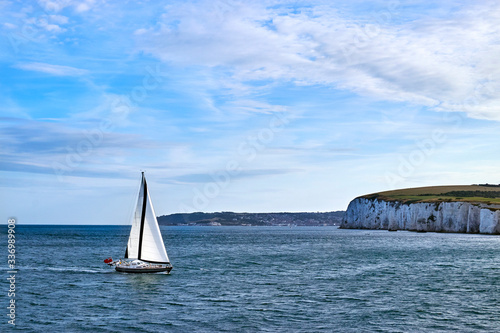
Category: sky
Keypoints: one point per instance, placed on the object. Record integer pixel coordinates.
(245, 106)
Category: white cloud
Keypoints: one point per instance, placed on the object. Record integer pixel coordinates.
(50, 27)
(9, 25)
(435, 62)
(58, 5)
(252, 106)
(59, 19)
(83, 7)
(56, 70)
(140, 31)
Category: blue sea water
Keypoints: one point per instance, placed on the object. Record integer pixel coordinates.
(256, 279)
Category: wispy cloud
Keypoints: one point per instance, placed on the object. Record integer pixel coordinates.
(56, 70)
(253, 106)
(55, 143)
(207, 178)
(450, 64)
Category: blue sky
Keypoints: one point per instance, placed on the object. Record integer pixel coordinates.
(261, 106)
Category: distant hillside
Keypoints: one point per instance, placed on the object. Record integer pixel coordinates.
(481, 193)
(253, 219)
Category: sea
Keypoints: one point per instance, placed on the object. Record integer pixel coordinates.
(255, 279)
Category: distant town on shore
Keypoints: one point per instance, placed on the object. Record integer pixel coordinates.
(253, 219)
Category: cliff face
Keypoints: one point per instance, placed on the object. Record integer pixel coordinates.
(364, 213)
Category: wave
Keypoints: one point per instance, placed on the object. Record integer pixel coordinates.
(65, 269)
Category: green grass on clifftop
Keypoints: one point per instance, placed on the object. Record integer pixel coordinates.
(483, 193)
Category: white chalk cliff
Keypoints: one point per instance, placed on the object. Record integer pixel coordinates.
(466, 217)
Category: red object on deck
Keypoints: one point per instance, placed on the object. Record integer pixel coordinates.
(107, 261)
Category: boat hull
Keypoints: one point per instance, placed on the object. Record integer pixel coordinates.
(143, 270)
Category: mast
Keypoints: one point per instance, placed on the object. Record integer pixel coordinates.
(143, 214)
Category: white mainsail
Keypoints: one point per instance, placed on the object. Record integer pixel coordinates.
(145, 241)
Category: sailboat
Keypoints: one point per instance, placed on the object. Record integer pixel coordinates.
(145, 251)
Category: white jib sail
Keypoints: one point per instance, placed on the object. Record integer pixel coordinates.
(150, 247)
